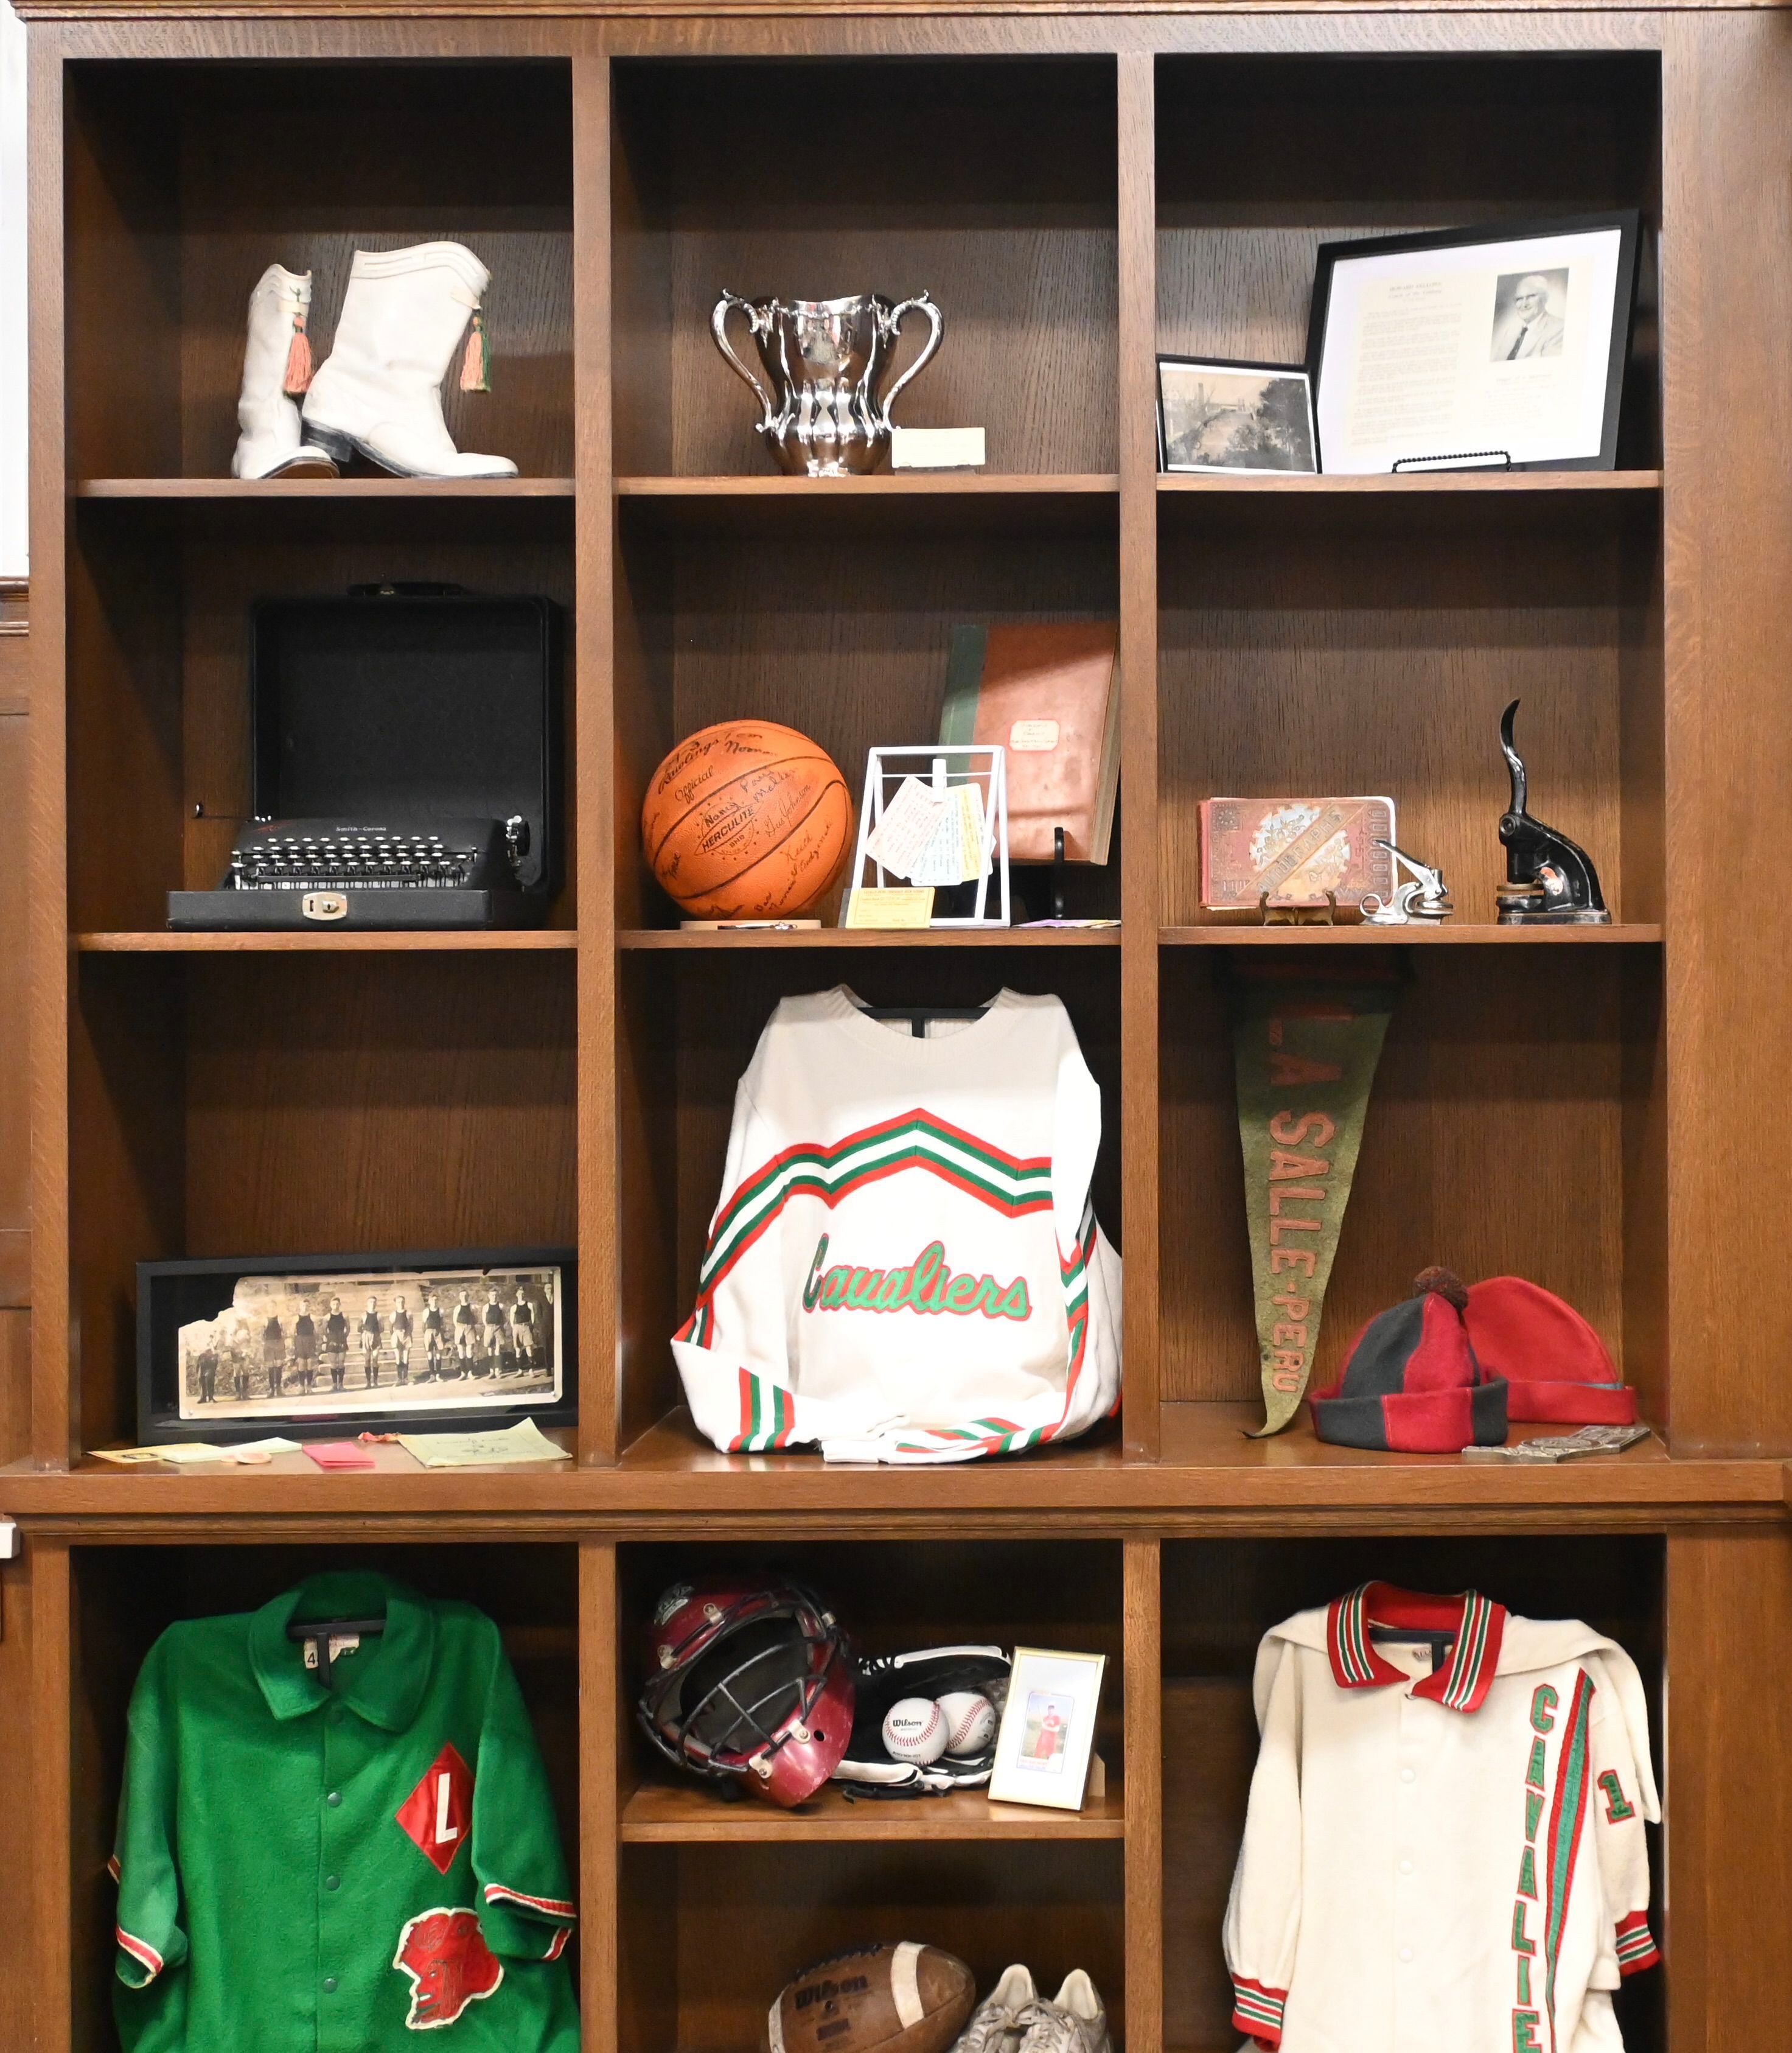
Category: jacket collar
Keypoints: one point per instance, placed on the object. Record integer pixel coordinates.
(1460, 1685)
(383, 1684)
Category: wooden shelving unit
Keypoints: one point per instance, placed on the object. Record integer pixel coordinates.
(1594, 1107)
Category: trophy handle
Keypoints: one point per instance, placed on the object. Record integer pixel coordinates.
(718, 327)
(891, 323)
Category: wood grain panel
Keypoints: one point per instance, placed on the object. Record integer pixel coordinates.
(1729, 737)
(1494, 1144)
(407, 1101)
(1146, 1927)
(1730, 1808)
(1209, 1749)
(602, 1710)
(1142, 896)
(990, 186)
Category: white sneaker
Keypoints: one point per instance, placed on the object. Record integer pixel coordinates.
(995, 2026)
(1073, 2022)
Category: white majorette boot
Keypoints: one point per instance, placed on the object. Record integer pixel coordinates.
(379, 393)
(277, 367)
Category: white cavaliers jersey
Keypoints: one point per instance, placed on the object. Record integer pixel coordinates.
(905, 1265)
(1446, 1859)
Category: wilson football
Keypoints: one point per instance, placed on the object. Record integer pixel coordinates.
(889, 1998)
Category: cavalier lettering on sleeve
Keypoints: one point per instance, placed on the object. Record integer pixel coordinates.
(1446, 1846)
(905, 1264)
(337, 1868)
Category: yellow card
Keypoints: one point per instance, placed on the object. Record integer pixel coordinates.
(871, 906)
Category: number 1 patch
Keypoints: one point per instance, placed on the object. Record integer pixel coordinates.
(1616, 1808)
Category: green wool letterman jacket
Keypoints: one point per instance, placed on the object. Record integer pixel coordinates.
(302, 1870)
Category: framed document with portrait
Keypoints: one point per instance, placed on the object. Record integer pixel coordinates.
(1047, 1729)
(1497, 346)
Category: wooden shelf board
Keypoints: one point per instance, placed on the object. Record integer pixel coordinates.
(284, 490)
(873, 937)
(1446, 482)
(1210, 1470)
(323, 940)
(1468, 935)
(888, 485)
(657, 1813)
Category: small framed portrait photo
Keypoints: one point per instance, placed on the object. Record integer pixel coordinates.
(1047, 1729)
(1212, 415)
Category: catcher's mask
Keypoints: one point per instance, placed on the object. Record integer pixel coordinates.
(749, 1682)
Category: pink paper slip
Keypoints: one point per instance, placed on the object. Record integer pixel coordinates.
(338, 1454)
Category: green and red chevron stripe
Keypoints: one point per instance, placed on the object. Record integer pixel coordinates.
(1636, 1949)
(1010, 1184)
(1256, 2009)
(1568, 1814)
(768, 1416)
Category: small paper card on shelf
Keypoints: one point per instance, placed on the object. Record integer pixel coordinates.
(192, 1452)
(912, 821)
(889, 905)
(338, 1454)
(956, 854)
(524, 1441)
(936, 449)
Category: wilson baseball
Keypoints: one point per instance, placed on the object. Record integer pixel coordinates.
(969, 1721)
(913, 1730)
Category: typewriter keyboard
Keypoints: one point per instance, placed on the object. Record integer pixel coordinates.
(373, 861)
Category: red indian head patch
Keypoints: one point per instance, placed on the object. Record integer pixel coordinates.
(449, 1964)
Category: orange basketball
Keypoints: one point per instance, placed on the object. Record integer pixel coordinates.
(746, 821)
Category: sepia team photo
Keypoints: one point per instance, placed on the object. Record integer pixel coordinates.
(389, 1342)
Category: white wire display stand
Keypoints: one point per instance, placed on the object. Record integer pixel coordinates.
(942, 765)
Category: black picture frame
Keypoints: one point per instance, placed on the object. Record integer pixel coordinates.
(170, 1294)
(1627, 221)
(1299, 371)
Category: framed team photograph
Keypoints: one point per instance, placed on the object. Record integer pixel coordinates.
(1254, 418)
(1047, 1729)
(228, 1350)
(1500, 347)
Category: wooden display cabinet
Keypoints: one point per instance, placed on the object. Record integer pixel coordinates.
(1078, 188)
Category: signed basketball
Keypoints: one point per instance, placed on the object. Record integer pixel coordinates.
(747, 820)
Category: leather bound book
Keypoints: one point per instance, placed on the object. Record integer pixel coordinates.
(1049, 693)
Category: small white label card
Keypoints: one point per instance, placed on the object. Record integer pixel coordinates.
(883, 906)
(1033, 736)
(936, 449)
(899, 841)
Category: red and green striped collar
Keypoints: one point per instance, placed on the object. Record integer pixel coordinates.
(1460, 1685)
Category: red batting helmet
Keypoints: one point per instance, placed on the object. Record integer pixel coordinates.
(749, 1680)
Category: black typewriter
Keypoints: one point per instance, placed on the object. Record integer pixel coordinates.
(405, 766)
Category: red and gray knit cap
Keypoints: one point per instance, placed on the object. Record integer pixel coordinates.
(1555, 1365)
(1411, 1383)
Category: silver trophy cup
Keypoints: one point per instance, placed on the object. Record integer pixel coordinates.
(821, 415)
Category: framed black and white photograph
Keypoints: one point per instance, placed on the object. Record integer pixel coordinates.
(1497, 346)
(1047, 1729)
(1213, 415)
(227, 1350)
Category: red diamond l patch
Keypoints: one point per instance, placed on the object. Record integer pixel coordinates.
(437, 1814)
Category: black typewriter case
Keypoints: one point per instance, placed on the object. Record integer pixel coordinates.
(398, 706)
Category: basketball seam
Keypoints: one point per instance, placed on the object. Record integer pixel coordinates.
(722, 883)
(778, 763)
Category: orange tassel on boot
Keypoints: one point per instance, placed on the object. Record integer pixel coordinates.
(476, 366)
(298, 359)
